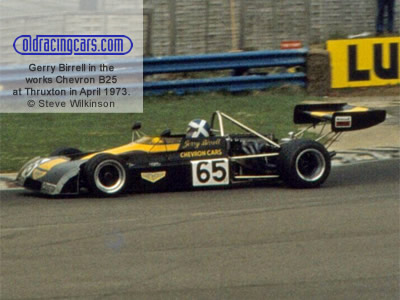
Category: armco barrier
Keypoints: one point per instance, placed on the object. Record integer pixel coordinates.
(231, 84)
(221, 61)
(240, 63)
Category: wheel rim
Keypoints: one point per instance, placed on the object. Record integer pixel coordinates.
(110, 176)
(310, 165)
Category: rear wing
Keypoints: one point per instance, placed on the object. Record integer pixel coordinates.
(343, 117)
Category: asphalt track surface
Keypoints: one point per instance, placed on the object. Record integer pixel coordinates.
(340, 241)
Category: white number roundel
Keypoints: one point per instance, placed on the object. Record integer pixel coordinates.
(210, 172)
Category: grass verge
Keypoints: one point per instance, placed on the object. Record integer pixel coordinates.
(24, 136)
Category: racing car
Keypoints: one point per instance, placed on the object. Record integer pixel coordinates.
(207, 155)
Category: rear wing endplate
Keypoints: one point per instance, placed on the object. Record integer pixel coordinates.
(343, 117)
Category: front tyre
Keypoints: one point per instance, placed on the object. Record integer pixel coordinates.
(304, 163)
(106, 175)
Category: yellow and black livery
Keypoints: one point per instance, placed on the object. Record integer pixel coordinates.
(222, 159)
(342, 116)
(149, 163)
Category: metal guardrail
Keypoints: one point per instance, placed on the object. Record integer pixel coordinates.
(231, 84)
(221, 61)
(240, 79)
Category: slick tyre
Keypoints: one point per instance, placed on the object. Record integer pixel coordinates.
(65, 151)
(304, 163)
(106, 175)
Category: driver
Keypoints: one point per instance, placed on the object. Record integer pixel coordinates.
(198, 129)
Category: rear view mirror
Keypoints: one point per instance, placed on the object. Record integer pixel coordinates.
(166, 133)
(136, 133)
(137, 125)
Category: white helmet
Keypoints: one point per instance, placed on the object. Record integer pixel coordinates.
(198, 129)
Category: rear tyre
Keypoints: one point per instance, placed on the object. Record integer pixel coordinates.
(65, 151)
(304, 163)
(106, 175)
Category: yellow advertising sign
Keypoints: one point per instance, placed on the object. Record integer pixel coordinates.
(365, 62)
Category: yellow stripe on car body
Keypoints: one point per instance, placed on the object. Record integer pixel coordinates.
(148, 144)
(322, 114)
(50, 164)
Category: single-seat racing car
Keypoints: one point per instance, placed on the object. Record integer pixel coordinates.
(206, 156)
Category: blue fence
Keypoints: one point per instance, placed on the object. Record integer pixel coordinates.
(221, 61)
(242, 76)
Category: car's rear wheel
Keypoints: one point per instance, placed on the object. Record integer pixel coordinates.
(304, 163)
(106, 175)
(65, 151)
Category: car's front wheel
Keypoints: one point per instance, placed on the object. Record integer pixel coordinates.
(304, 163)
(106, 175)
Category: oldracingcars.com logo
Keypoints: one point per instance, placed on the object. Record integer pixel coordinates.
(73, 45)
